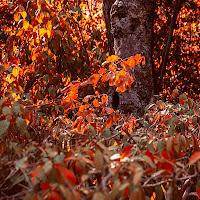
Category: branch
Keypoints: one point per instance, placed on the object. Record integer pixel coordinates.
(177, 7)
(156, 184)
(104, 182)
(83, 46)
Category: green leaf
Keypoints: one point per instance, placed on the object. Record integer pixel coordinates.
(17, 149)
(93, 131)
(21, 125)
(22, 163)
(161, 146)
(10, 69)
(106, 132)
(16, 110)
(6, 111)
(17, 180)
(4, 125)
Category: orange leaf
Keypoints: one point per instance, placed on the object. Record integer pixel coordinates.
(81, 109)
(121, 89)
(72, 95)
(104, 77)
(104, 98)
(20, 32)
(109, 121)
(115, 118)
(143, 60)
(102, 71)
(16, 17)
(137, 58)
(95, 103)
(94, 79)
(195, 156)
(130, 63)
(109, 110)
(112, 58)
(6, 65)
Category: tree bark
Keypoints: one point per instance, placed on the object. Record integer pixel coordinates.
(131, 25)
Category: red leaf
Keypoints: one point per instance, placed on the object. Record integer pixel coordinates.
(94, 125)
(198, 193)
(36, 172)
(64, 176)
(195, 156)
(45, 186)
(150, 155)
(2, 148)
(54, 196)
(195, 143)
(182, 99)
(126, 151)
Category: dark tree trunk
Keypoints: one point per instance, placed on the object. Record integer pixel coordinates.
(131, 25)
(106, 11)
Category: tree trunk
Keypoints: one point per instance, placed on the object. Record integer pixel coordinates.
(131, 25)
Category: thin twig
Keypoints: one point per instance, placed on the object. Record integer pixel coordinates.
(104, 182)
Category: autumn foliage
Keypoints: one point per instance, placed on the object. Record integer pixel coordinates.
(59, 139)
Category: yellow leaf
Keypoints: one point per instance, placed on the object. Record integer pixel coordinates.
(25, 24)
(112, 58)
(16, 17)
(42, 31)
(15, 71)
(24, 14)
(48, 33)
(40, 17)
(49, 25)
(11, 79)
